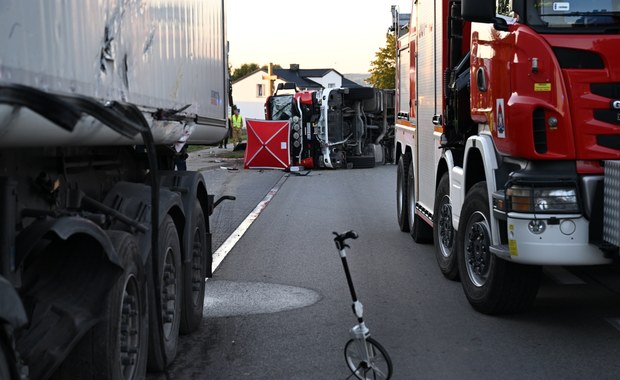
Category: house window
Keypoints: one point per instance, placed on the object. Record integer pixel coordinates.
(331, 85)
(260, 90)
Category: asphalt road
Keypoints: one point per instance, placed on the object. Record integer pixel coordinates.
(278, 306)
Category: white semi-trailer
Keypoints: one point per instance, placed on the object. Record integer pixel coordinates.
(104, 247)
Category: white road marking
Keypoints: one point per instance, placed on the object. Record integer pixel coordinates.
(562, 276)
(232, 240)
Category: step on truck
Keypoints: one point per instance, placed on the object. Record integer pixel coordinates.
(104, 246)
(508, 118)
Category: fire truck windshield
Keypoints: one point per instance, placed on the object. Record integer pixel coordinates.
(577, 15)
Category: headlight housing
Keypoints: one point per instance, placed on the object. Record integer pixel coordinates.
(542, 200)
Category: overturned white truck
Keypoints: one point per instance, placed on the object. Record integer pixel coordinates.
(336, 127)
(104, 247)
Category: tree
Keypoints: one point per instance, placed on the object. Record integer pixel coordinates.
(503, 7)
(248, 68)
(383, 68)
(244, 70)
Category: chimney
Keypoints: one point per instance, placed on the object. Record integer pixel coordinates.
(294, 67)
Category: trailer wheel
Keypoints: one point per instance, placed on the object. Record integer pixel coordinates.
(443, 231)
(401, 192)
(195, 273)
(420, 231)
(116, 348)
(492, 285)
(170, 294)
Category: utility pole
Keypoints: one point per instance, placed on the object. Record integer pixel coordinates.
(271, 78)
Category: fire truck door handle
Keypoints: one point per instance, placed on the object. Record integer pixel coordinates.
(481, 79)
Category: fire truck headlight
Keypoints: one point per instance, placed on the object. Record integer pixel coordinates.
(542, 199)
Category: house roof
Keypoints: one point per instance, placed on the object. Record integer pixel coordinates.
(301, 77)
(349, 83)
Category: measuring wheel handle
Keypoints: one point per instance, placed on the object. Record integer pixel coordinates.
(340, 239)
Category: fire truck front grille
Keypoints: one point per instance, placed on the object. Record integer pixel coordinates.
(609, 141)
(608, 90)
(611, 202)
(578, 59)
(607, 116)
(540, 132)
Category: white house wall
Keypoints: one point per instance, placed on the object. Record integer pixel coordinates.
(244, 95)
(330, 78)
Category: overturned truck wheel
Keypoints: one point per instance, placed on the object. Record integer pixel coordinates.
(361, 162)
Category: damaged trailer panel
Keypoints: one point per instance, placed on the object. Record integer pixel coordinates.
(152, 54)
(104, 246)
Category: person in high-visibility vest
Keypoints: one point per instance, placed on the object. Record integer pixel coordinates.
(237, 123)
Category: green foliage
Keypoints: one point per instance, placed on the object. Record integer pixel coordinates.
(275, 66)
(244, 70)
(249, 68)
(383, 68)
(504, 7)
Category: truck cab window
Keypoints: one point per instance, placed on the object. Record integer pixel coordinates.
(577, 15)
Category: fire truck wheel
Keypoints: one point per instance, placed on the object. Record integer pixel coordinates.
(401, 192)
(492, 285)
(420, 231)
(443, 233)
(163, 344)
(116, 348)
(194, 273)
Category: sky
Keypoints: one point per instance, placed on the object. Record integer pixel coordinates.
(317, 34)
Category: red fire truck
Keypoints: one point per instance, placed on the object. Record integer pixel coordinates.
(508, 139)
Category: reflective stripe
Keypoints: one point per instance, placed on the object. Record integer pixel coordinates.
(237, 122)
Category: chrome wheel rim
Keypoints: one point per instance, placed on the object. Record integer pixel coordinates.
(477, 254)
(446, 232)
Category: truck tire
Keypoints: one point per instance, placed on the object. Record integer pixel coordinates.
(362, 162)
(443, 231)
(360, 93)
(492, 285)
(420, 231)
(117, 347)
(163, 351)
(195, 273)
(401, 192)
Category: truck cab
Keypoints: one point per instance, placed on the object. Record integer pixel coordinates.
(506, 140)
